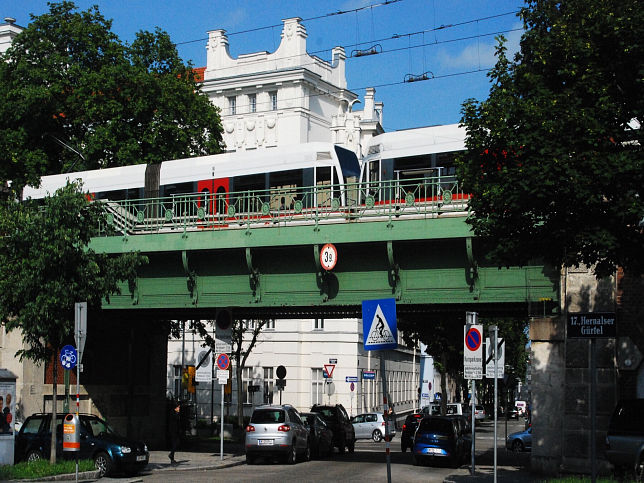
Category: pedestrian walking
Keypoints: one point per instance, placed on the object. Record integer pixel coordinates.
(174, 428)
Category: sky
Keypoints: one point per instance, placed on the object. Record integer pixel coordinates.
(451, 41)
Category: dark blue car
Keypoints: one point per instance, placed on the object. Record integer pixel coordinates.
(441, 438)
(98, 442)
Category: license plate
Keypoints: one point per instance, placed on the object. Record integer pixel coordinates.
(434, 450)
(140, 458)
(265, 442)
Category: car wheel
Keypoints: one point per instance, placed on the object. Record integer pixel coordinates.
(376, 436)
(103, 463)
(639, 469)
(517, 446)
(307, 451)
(250, 459)
(291, 457)
(352, 446)
(34, 455)
(341, 446)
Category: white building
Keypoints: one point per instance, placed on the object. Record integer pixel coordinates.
(282, 98)
(8, 31)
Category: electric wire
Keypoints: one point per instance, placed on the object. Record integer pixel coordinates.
(326, 15)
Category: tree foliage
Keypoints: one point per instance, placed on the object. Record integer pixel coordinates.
(443, 336)
(554, 158)
(74, 97)
(47, 267)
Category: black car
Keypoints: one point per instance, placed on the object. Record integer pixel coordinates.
(98, 441)
(408, 431)
(625, 438)
(321, 436)
(337, 419)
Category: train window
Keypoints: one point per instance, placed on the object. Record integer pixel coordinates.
(246, 188)
(178, 189)
(284, 188)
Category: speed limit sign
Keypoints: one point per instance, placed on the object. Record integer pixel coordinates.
(328, 256)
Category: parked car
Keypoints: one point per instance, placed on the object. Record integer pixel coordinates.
(441, 438)
(337, 419)
(277, 431)
(625, 437)
(408, 431)
(520, 441)
(479, 413)
(98, 441)
(321, 436)
(371, 426)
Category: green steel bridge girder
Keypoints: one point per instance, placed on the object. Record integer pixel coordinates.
(426, 264)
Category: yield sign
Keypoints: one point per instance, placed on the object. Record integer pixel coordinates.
(328, 370)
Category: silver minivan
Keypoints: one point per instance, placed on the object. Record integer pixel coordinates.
(277, 431)
(370, 426)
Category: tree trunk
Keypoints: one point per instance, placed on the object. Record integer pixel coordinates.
(443, 372)
(54, 392)
(240, 401)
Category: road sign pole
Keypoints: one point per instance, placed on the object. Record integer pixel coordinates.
(471, 319)
(386, 413)
(495, 329)
(221, 433)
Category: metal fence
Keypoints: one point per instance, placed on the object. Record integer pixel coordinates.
(346, 203)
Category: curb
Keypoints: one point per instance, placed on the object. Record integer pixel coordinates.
(201, 467)
(86, 475)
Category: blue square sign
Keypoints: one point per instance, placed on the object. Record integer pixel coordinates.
(379, 328)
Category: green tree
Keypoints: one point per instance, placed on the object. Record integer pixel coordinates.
(554, 159)
(74, 97)
(47, 267)
(244, 338)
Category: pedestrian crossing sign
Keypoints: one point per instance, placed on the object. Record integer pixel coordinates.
(379, 328)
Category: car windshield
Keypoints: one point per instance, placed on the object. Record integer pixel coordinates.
(325, 413)
(267, 416)
(98, 427)
(436, 425)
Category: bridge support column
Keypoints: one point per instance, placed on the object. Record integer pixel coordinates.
(548, 362)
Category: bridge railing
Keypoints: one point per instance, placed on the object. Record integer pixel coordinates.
(324, 203)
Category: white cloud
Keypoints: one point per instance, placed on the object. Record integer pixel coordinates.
(479, 54)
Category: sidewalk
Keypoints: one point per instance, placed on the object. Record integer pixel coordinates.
(192, 460)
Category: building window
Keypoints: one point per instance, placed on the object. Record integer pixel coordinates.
(249, 324)
(318, 324)
(317, 386)
(270, 324)
(247, 380)
(252, 103)
(232, 105)
(273, 95)
(269, 383)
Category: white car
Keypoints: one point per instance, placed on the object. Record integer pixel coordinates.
(371, 426)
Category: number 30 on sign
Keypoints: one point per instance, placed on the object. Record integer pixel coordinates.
(328, 256)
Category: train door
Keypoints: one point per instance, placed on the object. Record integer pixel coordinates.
(323, 186)
(214, 196)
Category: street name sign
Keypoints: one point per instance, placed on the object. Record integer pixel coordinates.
(591, 325)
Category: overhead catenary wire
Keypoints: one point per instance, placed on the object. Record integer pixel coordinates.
(377, 49)
(318, 17)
